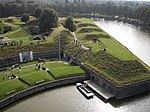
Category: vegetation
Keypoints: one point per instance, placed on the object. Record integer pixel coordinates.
(8, 86)
(139, 13)
(70, 25)
(37, 12)
(97, 49)
(61, 70)
(108, 57)
(1, 26)
(32, 76)
(25, 18)
(48, 20)
(123, 11)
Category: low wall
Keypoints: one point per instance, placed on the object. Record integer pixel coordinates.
(9, 61)
(120, 92)
(36, 56)
(41, 87)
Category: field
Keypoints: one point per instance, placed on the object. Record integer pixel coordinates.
(31, 76)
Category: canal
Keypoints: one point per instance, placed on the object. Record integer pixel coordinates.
(69, 99)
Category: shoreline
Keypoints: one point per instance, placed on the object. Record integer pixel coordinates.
(129, 21)
(41, 87)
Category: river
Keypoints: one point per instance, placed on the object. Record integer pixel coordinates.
(69, 99)
(136, 40)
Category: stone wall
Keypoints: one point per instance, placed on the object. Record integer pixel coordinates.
(9, 61)
(41, 87)
(15, 60)
(119, 92)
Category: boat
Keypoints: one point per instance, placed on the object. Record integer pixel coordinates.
(86, 92)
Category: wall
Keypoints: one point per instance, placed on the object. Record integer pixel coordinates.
(120, 92)
(9, 61)
(41, 87)
(15, 60)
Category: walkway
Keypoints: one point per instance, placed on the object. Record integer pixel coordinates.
(98, 89)
(76, 40)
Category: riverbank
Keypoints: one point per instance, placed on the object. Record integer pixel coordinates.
(36, 89)
(112, 18)
(135, 40)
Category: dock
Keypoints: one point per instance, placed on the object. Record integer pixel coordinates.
(99, 90)
(82, 88)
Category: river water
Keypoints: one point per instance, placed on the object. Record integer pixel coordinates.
(69, 99)
(136, 40)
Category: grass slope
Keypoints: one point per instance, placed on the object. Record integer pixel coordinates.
(117, 63)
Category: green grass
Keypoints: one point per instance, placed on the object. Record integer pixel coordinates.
(56, 64)
(20, 33)
(35, 76)
(11, 85)
(2, 78)
(118, 71)
(69, 71)
(55, 33)
(113, 47)
(60, 70)
(25, 71)
(117, 50)
(95, 47)
(13, 27)
(117, 63)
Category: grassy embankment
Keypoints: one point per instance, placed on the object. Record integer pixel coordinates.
(117, 64)
(33, 77)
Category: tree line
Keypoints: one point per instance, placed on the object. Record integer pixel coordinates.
(140, 14)
(17, 8)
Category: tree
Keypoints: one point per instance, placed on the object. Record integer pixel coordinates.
(25, 17)
(37, 12)
(69, 24)
(48, 20)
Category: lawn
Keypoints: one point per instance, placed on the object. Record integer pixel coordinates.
(3, 77)
(20, 33)
(30, 74)
(62, 70)
(95, 47)
(56, 64)
(70, 71)
(8, 86)
(36, 76)
(117, 50)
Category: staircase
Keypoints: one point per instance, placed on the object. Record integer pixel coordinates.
(76, 56)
